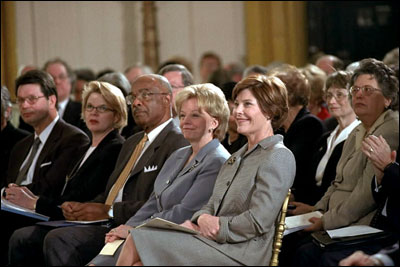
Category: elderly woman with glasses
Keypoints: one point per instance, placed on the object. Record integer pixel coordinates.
(329, 148)
(105, 113)
(349, 200)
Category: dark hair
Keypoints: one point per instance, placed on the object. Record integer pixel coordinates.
(384, 75)
(187, 77)
(85, 75)
(296, 83)
(271, 95)
(227, 89)
(42, 78)
(211, 55)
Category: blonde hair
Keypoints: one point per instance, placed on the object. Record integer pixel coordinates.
(212, 100)
(112, 96)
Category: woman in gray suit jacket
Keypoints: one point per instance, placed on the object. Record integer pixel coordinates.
(186, 181)
(237, 225)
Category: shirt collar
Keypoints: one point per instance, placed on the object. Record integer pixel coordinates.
(44, 135)
(155, 132)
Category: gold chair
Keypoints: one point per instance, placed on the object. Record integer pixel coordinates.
(279, 229)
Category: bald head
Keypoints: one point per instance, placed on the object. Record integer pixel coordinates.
(330, 64)
(151, 101)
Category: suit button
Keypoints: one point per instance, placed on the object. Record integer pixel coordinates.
(228, 183)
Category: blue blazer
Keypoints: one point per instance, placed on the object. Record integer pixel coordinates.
(179, 190)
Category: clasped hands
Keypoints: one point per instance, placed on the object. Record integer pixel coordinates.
(76, 211)
(21, 196)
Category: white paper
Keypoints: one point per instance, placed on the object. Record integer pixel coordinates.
(88, 222)
(354, 230)
(110, 248)
(14, 208)
(299, 222)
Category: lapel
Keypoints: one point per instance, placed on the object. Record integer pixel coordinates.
(89, 163)
(51, 142)
(150, 151)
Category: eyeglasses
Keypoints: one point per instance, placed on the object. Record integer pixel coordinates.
(142, 96)
(339, 96)
(99, 109)
(30, 99)
(367, 90)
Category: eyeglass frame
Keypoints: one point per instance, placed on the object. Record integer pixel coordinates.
(363, 90)
(99, 109)
(328, 96)
(30, 99)
(142, 96)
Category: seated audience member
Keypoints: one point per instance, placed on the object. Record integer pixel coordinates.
(329, 148)
(69, 110)
(329, 63)
(9, 135)
(233, 140)
(209, 62)
(104, 111)
(179, 77)
(120, 81)
(237, 225)
(254, 69)
(219, 77)
(83, 76)
(41, 161)
(301, 130)
(316, 78)
(141, 158)
(185, 183)
(349, 200)
(235, 71)
(134, 71)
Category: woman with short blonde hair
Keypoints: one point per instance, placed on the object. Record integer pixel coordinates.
(212, 100)
(112, 96)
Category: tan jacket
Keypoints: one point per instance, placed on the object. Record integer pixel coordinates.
(349, 199)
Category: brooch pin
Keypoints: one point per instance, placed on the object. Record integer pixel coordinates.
(231, 160)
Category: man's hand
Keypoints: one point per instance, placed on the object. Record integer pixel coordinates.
(121, 232)
(21, 196)
(85, 211)
(209, 226)
(359, 258)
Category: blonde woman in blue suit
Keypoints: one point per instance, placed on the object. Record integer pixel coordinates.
(186, 181)
(237, 224)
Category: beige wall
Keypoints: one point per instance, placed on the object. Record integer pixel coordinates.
(109, 33)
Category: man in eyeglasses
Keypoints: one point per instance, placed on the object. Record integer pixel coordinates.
(141, 158)
(64, 78)
(179, 77)
(41, 161)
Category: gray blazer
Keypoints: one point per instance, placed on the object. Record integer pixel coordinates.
(179, 190)
(247, 198)
(349, 199)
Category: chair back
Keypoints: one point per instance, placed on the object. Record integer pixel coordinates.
(279, 229)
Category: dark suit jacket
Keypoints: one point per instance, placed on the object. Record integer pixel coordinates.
(301, 138)
(63, 148)
(316, 192)
(9, 136)
(86, 182)
(140, 185)
(72, 115)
